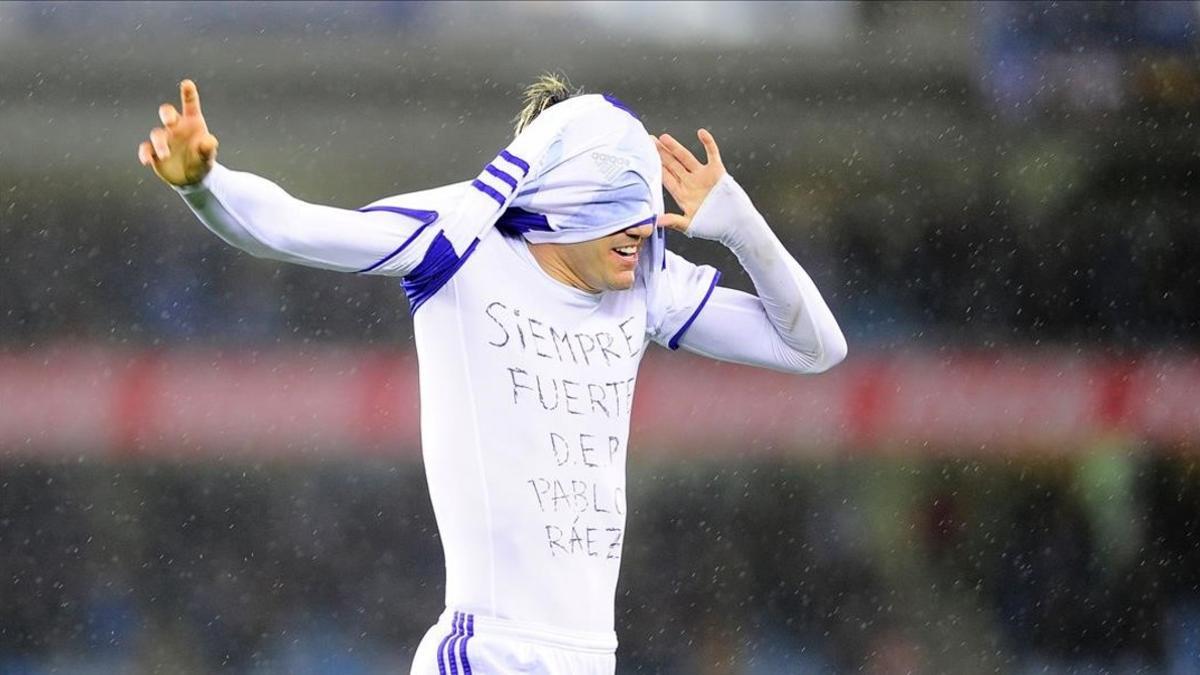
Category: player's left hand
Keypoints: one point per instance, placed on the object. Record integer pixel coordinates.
(181, 151)
(686, 179)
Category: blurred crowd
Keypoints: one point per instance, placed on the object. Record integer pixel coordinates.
(1042, 190)
(1082, 566)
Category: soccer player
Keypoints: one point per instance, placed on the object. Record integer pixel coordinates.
(535, 288)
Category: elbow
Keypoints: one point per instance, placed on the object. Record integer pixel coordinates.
(834, 352)
(831, 352)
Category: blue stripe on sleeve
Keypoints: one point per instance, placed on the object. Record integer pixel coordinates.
(422, 215)
(674, 342)
(488, 190)
(426, 217)
(512, 182)
(516, 161)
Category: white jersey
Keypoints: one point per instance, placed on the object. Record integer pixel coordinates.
(526, 391)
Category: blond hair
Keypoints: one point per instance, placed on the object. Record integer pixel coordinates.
(546, 90)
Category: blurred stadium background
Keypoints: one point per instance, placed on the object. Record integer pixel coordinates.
(209, 462)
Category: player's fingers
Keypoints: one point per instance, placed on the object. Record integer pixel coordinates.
(190, 97)
(669, 176)
(671, 182)
(710, 146)
(168, 115)
(158, 139)
(145, 153)
(680, 153)
(206, 147)
(674, 221)
(669, 162)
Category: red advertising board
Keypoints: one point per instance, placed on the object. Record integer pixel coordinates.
(286, 402)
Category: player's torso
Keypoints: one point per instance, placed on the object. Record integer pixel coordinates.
(527, 386)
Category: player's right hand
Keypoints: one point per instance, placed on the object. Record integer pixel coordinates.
(181, 151)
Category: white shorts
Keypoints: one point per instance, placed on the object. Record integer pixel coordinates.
(466, 644)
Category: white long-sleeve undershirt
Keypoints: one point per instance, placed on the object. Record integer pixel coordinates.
(787, 326)
(262, 219)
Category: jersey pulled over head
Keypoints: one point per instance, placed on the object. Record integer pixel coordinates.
(582, 169)
(596, 172)
(585, 168)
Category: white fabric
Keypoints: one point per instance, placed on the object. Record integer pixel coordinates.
(571, 149)
(788, 326)
(599, 173)
(259, 217)
(677, 292)
(526, 390)
(463, 643)
(526, 387)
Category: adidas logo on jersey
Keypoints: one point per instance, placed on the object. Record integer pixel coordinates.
(610, 166)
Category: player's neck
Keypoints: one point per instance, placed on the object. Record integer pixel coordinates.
(549, 258)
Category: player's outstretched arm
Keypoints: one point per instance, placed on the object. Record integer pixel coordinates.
(787, 326)
(259, 217)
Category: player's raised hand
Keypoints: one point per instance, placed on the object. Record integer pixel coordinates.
(181, 151)
(688, 181)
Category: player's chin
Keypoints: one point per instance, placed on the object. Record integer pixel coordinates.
(621, 281)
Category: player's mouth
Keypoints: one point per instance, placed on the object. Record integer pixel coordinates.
(627, 254)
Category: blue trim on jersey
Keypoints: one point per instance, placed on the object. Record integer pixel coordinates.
(439, 265)
(422, 215)
(662, 234)
(516, 220)
(502, 175)
(620, 104)
(488, 190)
(674, 342)
(426, 217)
(516, 161)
